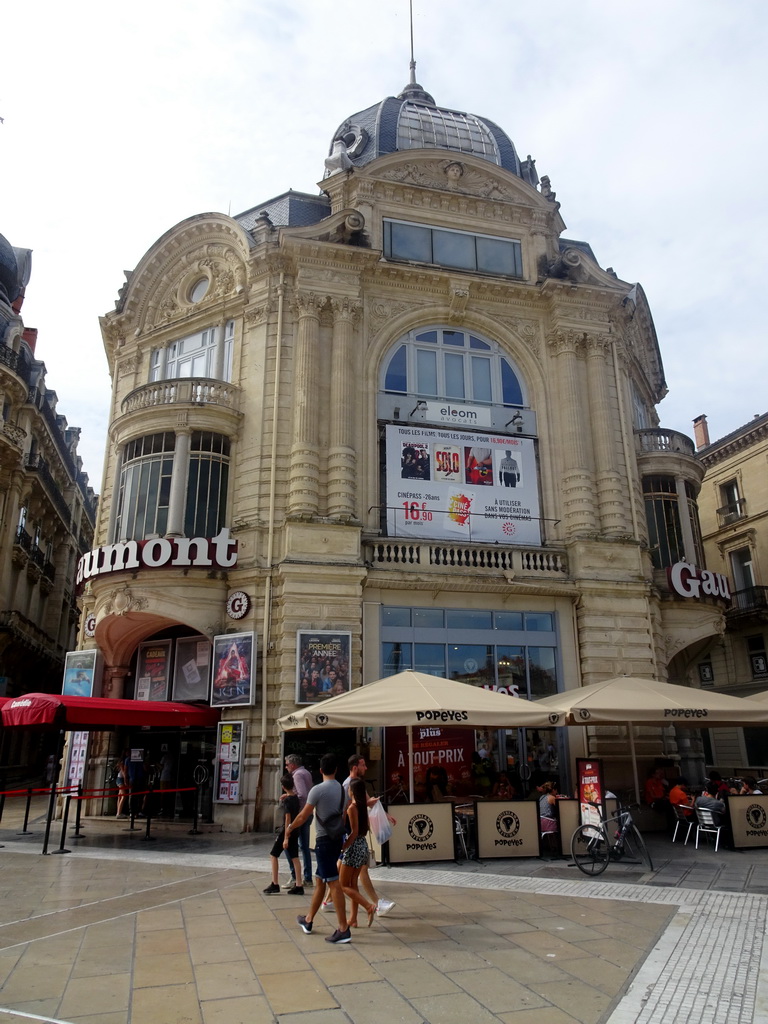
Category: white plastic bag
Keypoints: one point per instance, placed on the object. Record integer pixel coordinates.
(379, 823)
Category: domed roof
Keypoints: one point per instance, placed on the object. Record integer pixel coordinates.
(9, 272)
(412, 120)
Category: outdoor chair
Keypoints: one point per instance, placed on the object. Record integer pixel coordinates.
(682, 821)
(707, 824)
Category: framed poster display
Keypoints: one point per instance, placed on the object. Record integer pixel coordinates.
(589, 780)
(461, 485)
(192, 668)
(79, 673)
(322, 665)
(232, 671)
(77, 757)
(153, 668)
(230, 750)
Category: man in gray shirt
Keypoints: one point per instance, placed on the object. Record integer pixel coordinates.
(302, 783)
(709, 802)
(328, 802)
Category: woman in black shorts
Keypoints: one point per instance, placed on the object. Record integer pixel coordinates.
(354, 852)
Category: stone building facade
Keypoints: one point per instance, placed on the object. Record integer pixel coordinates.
(733, 506)
(47, 511)
(421, 424)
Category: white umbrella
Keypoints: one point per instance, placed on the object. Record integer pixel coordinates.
(630, 700)
(414, 698)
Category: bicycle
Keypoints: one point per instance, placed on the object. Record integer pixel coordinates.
(396, 794)
(593, 847)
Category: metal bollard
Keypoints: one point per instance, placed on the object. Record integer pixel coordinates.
(77, 834)
(195, 831)
(25, 831)
(64, 826)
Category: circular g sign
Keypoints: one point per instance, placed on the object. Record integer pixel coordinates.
(238, 605)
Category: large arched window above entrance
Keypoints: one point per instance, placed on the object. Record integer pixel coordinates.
(446, 363)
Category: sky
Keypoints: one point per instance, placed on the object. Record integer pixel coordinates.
(119, 120)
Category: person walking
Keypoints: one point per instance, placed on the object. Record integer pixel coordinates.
(290, 844)
(327, 801)
(302, 782)
(358, 766)
(354, 852)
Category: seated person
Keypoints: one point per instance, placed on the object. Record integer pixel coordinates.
(749, 786)
(722, 787)
(547, 801)
(709, 801)
(679, 795)
(655, 792)
(437, 786)
(503, 788)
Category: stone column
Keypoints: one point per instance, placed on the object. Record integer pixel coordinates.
(178, 496)
(305, 460)
(578, 483)
(113, 680)
(342, 461)
(606, 436)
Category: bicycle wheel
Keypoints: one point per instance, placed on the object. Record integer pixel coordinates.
(635, 846)
(590, 849)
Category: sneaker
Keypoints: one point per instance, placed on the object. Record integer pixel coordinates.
(338, 936)
(304, 924)
(384, 906)
(289, 884)
(296, 890)
(328, 904)
(271, 889)
(308, 882)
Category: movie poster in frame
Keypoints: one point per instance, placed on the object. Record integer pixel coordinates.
(153, 668)
(322, 664)
(192, 668)
(232, 673)
(79, 673)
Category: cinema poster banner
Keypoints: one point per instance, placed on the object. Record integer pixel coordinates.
(79, 673)
(153, 670)
(192, 668)
(460, 485)
(322, 665)
(234, 656)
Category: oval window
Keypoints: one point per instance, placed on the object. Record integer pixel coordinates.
(198, 289)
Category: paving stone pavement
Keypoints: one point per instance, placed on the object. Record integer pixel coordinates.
(177, 931)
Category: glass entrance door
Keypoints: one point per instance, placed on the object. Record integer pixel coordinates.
(532, 756)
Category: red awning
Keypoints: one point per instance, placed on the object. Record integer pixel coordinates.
(41, 710)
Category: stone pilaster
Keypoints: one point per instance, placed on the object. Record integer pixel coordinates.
(342, 458)
(611, 487)
(578, 484)
(303, 491)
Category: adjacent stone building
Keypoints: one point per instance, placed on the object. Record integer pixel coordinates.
(47, 511)
(734, 512)
(406, 422)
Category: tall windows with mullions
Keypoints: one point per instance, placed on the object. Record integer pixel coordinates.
(207, 482)
(172, 484)
(144, 488)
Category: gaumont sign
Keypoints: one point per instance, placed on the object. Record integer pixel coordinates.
(218, 552)
(690, 581)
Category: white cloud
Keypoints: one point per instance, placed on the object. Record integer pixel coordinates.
(646, 115)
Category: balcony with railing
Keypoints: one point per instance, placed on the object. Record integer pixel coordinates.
(183, 391)
(542, 564)
(656, 439)
(732, 513)
(750, 601)
(37, 464)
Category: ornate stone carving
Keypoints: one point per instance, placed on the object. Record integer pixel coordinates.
(380, 313)
(453, 175)
(122, 600)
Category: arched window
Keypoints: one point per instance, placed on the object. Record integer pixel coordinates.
(445, 363)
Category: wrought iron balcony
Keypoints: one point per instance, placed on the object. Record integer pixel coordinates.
(749, 600)
(732, 513)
